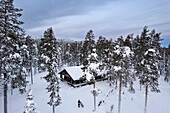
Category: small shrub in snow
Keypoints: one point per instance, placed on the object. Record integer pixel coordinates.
(30, 105)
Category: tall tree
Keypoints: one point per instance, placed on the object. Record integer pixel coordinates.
(50, 52)
(75, 53)
(32, 58)
(122, 69)
(10, 34)
(167, 64)
(101, 48)
(67, 54)
(150, 75)
(142, 44)
(91, 72)
(19, 68)
(88, 46)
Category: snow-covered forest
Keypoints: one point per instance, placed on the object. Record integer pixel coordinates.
(136, 71)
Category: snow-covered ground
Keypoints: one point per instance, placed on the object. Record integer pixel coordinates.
(131, 103)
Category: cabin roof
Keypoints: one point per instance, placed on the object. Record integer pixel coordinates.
(75, 72)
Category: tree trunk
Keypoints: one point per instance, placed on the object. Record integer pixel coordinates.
(35, 70)
(5, 98)
(116, 84)
(11, 90)
(53, 109)
(146, 95)
(94, 98)
(126, 81)
(31, 73)
(120, 88)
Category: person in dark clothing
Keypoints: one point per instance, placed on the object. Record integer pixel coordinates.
(79, 103)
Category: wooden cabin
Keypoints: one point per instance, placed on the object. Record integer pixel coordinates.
(75, 76)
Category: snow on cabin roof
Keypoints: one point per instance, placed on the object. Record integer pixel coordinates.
(75, 72)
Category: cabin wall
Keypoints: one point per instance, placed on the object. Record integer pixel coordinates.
(65, 76)
(78, 81)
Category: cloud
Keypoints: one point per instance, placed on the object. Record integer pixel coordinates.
(108, 18)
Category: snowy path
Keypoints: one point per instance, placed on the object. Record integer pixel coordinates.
(131, 103)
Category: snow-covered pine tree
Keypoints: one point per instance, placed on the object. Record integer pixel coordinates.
(79, 47)
(167, 64)
(61, 44)
(19, 72)
(32, 58)
(92, 67)
(89, 55)
(41, 61)
(136, 50)
(88, 46)
(150, 64)
(90, 62)
(91, 72)
(104, 52)
(75, 53)
(142, 44)
(35, 59)
(50, 53)
(132, 43)
(129, 41)
(30, 105)
(113, 59)
(67, 54)
(101, 48)
(24, 53)
(59, 57)
(122, 69)
(107, 60)
(120, 41)
(155, 41)
(10, 37)
(149, 78)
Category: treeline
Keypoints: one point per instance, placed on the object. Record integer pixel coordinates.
(123, 60)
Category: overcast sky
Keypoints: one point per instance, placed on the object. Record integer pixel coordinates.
(110, 18)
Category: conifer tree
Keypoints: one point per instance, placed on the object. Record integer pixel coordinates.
(142, 44)
(167, 64)
(129, 41)
(150, 75)
(88, 46)
(50, 53)
(101, 48)
(150, 72)
(90, 62)
(10, 43)
(120, 41)
(31, 58)
(122, 69)
(30, 105)
(91, 72)
(67, 54)
(75, 53)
